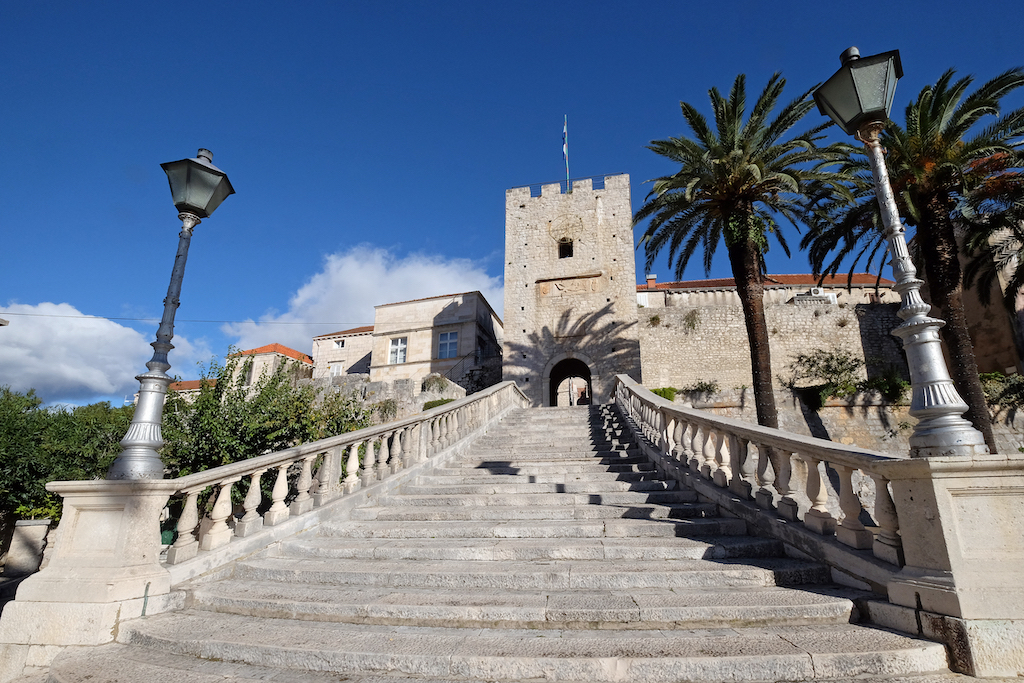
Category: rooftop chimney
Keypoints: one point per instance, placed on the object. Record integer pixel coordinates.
(651, 279)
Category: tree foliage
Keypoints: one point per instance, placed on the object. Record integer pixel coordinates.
(230, 420)
(38, 445)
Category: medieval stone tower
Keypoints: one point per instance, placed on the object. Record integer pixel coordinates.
(570, 290)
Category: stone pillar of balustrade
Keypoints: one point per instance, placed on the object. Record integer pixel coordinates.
(961, 521)
(105, 567)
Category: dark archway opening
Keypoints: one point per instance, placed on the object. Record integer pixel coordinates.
(569, 383)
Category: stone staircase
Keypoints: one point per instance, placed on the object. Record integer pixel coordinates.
(553, 552)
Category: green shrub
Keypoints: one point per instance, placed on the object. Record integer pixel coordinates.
(1003, 390)
(701, 387)
(386, 410)
(654, 320)
(435, 382)
(667, 393)
(691, 321)
(439, 402)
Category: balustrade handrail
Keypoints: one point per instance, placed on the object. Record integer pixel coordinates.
(268, 460)
(786, 473)
(853, 456)
(343, 464)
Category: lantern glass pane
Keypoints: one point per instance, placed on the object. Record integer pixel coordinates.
(201, 186)
(838, 98)
(870, 80)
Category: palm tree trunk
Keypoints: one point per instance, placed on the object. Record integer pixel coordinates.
(945, 284)
(746, 270)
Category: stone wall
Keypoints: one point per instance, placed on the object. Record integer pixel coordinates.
(686, 337)
(570, 286)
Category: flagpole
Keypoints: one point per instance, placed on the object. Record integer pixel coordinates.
(565, 153)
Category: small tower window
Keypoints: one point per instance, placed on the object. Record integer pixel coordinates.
(565, 248)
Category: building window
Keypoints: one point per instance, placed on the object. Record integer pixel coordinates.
(397, 354)
(565, 248)
(337, 368)
(448, 345)
(340, 344)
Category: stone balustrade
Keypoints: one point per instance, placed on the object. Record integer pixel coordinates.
(309, 476)
(778, 470)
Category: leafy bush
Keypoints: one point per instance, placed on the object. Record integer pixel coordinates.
(435, 382)
(386, 410)
(439, 402)
(654, 320)
(1003, 390)
(831, 374)
(667, 393)
(701, 387)
(691, 321)
(889, 384)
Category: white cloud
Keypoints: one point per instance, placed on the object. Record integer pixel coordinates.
(351, 283)
(68, 358)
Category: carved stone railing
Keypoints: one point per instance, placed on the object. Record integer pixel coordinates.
(311, 475)
(780, 471)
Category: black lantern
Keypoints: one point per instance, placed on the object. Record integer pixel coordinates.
(197, 186)
(861, 91)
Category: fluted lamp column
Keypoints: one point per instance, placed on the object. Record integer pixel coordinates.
(197, 189)
(858, 98)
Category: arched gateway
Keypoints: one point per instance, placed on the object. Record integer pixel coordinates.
(569, 383)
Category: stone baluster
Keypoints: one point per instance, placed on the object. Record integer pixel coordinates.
(186, 546)
(435, 435)
(723, 457)
(685, 450)
(818, 519)
(679, 438)
(396, 461)
(456, 434)
(352, 468)
(711, 439)
(765, 497)
(888, 546)
(697, 447)
(251, 522)
(668, 434)
(219, 533)
(742, 482)
(303, 501)
(788, 507)
(850, 531)
(383, 468)
(329, 476)
(278, 511)
(368, 472)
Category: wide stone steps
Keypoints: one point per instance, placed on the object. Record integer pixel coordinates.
(612, 528)
(645, 608)
(519, 549)
(550, 552)
(554, 499)
(794, 653)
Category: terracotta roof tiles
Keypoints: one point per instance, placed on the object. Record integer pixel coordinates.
(278, 348)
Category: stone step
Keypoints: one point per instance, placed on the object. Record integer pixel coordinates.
(796, 653)
(548, 460)
(593, 471)
(476, 608)
(543, 499)
(528, 549)
(443, 513)
(555, 575)
(446, 488)
(612, 528)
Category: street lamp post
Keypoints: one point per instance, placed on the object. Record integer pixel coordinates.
(858, 98)
(197, 188)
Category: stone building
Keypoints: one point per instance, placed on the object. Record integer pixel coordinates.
(343, 353)
(693, 332)
(570, 289)
(267, 359)
(454, 335)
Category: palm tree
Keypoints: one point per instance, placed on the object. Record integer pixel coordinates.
(733, 183)
(940, 178)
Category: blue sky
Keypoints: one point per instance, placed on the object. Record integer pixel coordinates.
(370, 145)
